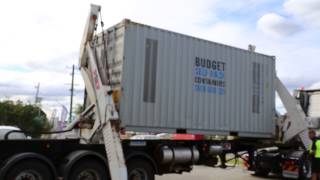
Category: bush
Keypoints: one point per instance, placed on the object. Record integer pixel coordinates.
(29, 118)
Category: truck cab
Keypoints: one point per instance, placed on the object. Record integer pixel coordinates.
(290, 160)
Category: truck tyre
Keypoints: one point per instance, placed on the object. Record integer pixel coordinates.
(88, 169)
(140, 169)
(29, 170)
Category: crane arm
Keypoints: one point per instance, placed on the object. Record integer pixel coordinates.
(297, 126)
(106, 116)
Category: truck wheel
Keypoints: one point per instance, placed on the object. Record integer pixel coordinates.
(88, 169)
(139, 169)
(29, 170)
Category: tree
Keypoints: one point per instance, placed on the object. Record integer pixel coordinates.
(27, 117)
(79, 109)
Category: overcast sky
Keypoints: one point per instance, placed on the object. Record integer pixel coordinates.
(39, 39)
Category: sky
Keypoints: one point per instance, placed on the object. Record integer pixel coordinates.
(40, 39)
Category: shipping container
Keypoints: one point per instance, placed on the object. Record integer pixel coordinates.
(164, 81)
(312, 105)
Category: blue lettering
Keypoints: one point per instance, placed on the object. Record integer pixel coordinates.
(221, 75)
(199, 88)
(221, 91)
(211, 89)
(216, 74)
(197, 71)
(201, 72)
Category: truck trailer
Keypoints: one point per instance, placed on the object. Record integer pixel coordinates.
(150, 80)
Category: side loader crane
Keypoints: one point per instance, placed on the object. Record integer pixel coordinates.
(99, 92)
(98, 152)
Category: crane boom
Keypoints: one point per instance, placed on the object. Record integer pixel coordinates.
(106, 116)
(297, 126)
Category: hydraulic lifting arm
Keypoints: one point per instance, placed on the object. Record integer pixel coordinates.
(297, 127)
(99, 93)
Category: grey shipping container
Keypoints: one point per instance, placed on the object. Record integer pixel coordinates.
(314, 104)
(169, 82)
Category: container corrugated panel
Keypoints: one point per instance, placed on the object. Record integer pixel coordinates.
(314, 105)
(171, 82)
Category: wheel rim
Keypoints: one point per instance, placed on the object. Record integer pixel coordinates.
(29, 175)
(89, 174)
(138, 174)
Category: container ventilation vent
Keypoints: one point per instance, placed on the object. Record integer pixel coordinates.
(150, 70)
(256, 77)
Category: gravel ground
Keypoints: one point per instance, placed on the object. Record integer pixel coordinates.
(208, 173)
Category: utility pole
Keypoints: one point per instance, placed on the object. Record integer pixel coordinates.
(71, 95)
(36, 99)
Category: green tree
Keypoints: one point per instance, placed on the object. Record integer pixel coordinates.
(29, 118)
(79, 109)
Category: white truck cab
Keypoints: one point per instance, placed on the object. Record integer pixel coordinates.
(14, 135)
